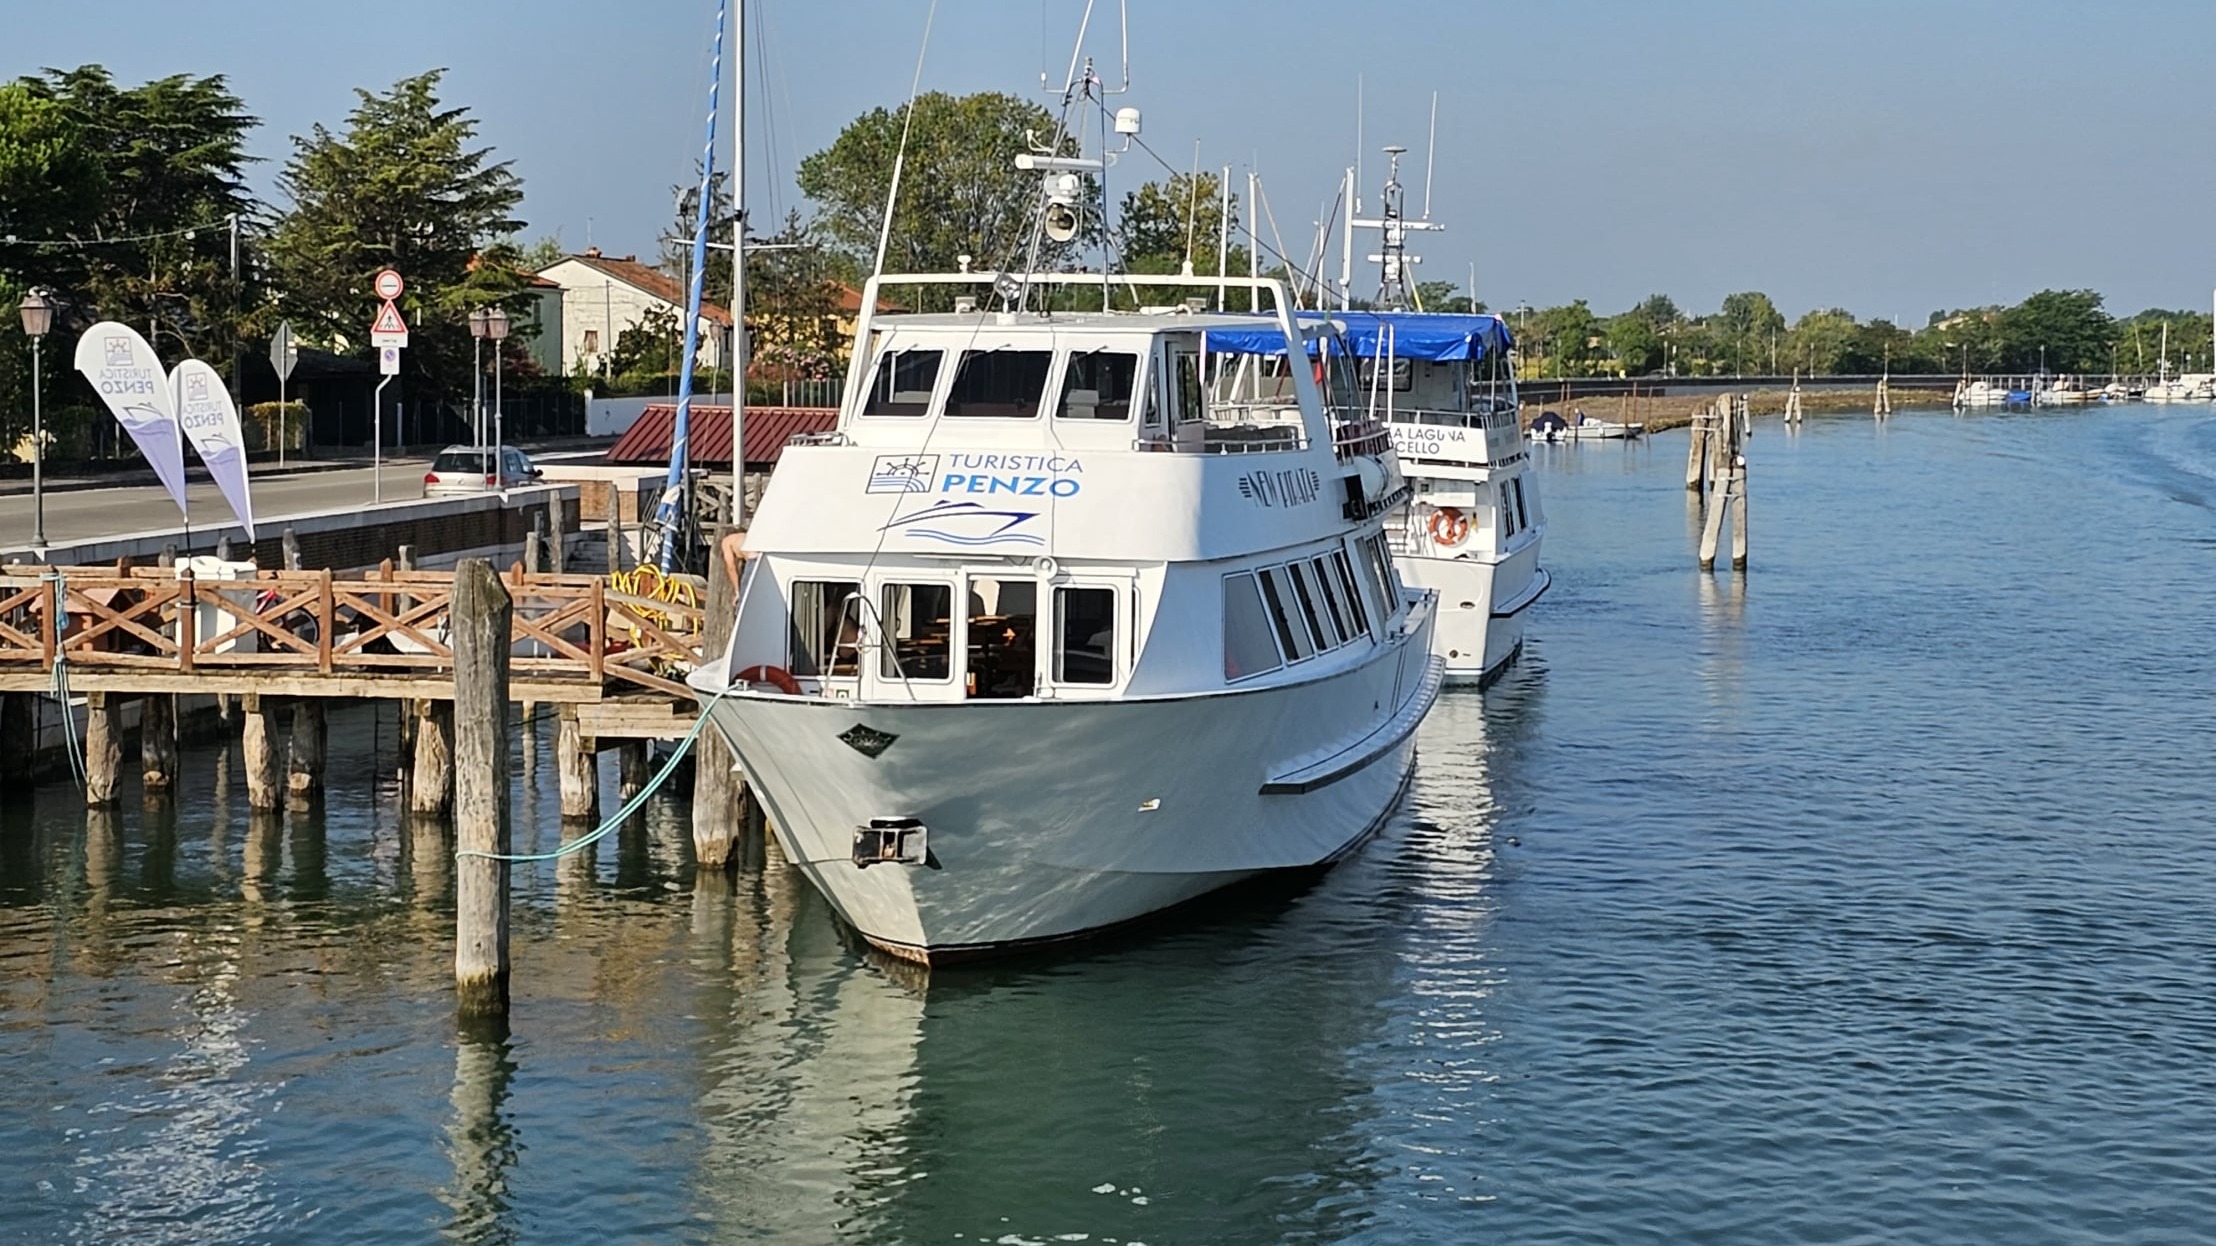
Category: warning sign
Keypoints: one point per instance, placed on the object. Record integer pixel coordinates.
(388, 329)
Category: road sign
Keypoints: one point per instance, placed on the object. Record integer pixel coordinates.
(388, 285)
(284, 352)
(388, 329)
(388, 360)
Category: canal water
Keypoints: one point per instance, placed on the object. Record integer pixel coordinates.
(1867, 899)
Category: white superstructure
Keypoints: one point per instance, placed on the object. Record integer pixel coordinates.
(1048, 636)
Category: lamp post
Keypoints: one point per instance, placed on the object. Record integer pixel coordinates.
(477, 328)
(38, 317)
(496, 329)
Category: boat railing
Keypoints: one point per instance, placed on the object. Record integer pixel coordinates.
(819, 439)
(1354, 438)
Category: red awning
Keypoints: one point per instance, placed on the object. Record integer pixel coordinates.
(767, 431)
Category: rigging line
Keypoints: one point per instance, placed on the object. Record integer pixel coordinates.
(1292, 269)
(187, 231)
(767, 77)
(900, 158)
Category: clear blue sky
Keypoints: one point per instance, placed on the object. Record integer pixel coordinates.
(1888, 156)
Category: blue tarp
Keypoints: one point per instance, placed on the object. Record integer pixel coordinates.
(1438, 337)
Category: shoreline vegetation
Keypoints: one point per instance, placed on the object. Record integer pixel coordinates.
(1662, 412)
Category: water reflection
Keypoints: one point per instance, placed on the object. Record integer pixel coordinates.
(481, 1142)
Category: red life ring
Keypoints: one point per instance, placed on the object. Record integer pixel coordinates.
(776, 676)
(1449, 526)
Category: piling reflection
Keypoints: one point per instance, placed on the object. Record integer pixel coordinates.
(480, 1141)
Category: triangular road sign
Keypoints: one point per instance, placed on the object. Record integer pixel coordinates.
(389, 329)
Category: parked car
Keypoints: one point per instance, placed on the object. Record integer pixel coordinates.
(471, 469)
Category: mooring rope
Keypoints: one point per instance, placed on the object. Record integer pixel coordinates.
(71, 745)
(622, 815)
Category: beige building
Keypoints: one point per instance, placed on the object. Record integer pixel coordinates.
(603, 295)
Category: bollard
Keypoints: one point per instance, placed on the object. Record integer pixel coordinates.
(482, 616)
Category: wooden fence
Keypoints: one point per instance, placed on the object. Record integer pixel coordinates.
(567, 628)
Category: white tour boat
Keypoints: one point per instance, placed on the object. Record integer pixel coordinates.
(1048, 635)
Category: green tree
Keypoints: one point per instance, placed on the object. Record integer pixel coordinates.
(1567, 339)
(404, 187)
(51, 186)
(2063, 330)
(2139, 341)
(1635, 343)
(1821, 342)
(652, 346)
(1749, 326)
(960, 190)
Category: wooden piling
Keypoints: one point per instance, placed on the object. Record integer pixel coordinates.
(258, 744)
(482, 614)
(632, 771)
(534, 543)
(223, 548)
(1727, 488)
(103, 748)
(719, 795)
(557, 556)
(18, 738)
(615, 533)
(158, 743)
(1696, 453)
(291, 545)
(578, 765)
(431, 782)
(304, 753)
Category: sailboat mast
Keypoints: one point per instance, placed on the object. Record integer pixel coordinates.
(742, 347)
(669, 516)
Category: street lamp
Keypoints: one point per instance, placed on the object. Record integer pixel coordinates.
(478, 325)
(496, 328)
(38, 317)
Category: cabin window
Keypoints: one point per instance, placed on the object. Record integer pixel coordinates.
(1003, 638)
(1523, 517)
(903, 382)
(999, 384)
(1248, 646)
(1085, 636)
(1186, 404)
(1329, 592)
(1319, 619)
(918, 622)
(1507, 512)
(1399, 375)
(1096, 385)
(826, 628)
(1385, 575)
(1351, 589)
(1291, 632)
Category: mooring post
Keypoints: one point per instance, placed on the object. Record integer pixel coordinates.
(258, 743)
(103, 748)
(304, 753)
(431, 784)
(1696, 466)
(558, 557)
(534, 543)
(482, 616)
(631, 768)
(615, 531)
(1739, 493)
(223, 548)
(158, 743)
(719, 795)
(579, 768)
(18, 739)
(291, 545)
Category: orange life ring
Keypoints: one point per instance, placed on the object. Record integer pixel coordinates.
(1449, 526)
(778, 676)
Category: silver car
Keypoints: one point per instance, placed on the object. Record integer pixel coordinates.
(472, 469)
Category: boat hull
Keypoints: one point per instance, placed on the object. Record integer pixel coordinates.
(1482, 605)
(1050, 820)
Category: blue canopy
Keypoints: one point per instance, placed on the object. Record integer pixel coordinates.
(1435, 336)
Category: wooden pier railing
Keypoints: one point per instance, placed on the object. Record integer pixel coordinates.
(576, 634)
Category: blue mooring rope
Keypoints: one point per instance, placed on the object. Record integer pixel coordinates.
(620, 816)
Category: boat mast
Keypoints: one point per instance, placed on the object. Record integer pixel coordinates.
(669, 516)
(742, 347)
(1392, 223)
